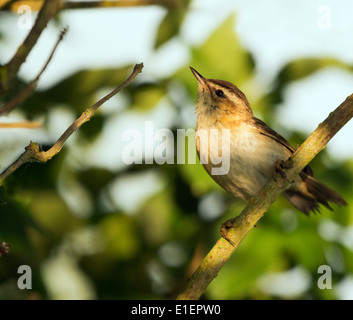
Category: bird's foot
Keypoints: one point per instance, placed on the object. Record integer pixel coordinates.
(280, 165)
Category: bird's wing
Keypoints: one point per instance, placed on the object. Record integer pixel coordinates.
(265, 130)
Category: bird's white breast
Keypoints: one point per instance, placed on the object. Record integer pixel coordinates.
(251, 158)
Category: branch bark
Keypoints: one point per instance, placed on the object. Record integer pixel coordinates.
(33, 152)
(260, 203)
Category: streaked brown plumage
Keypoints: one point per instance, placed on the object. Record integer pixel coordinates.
(254, 148)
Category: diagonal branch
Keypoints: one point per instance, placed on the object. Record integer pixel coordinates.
(260, 203)
(33, 152)
(28, 89)
(6, 5)
(9, 71)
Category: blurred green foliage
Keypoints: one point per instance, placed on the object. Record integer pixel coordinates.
(63, 216)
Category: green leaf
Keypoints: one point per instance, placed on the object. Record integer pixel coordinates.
(169, 26)
(146, 96)
(78, 91)
(222, 56)
(171, 23)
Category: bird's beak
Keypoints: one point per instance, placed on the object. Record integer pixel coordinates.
(200, 79)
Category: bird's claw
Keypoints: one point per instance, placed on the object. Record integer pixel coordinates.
(280, 165)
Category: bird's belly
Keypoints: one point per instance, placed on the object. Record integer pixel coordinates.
(252, 158)
(249, 171)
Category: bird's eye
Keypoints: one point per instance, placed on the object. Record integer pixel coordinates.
(219, 93)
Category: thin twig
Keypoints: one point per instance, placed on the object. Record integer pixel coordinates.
(121, 3)
(260, 203)
(99, 4)
(6, 4)
(33, 152)
(10, 70)
(28, 89)
(23, 125)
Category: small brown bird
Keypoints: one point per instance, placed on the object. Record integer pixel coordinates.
(254, 148)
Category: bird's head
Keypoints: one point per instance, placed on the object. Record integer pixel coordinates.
(220, 99)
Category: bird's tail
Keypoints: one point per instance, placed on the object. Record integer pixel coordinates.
(311, 193)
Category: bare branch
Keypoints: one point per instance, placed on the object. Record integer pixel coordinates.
(260, 203)
(23, 125)
(121, 3)
(13, 5)
(33, 152)
(20, 97)
(11, 69)
(6, 4)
